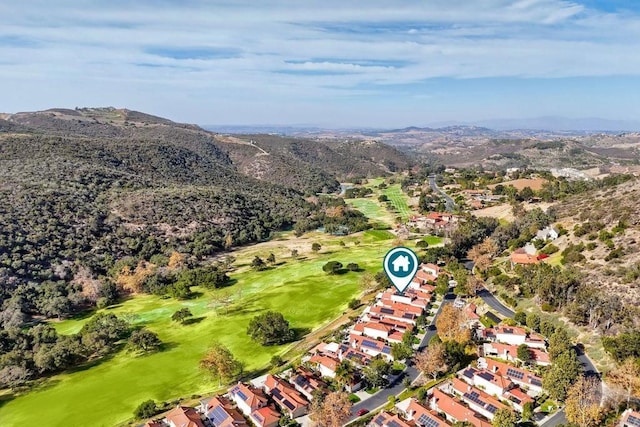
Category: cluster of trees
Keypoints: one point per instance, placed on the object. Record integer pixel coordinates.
(357, 192)
(27, 354)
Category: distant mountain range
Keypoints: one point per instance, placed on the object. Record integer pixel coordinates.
(565, 125)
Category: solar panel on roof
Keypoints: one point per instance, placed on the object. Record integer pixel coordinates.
(379, 420)
(241, 394)
(218, 415)
(634, 421)
(386, 350)
(368, 343)
(491, 408)
(515, 374)
(427, 421)
(386, 310)
(393, 424)
(474, 397)
(288, 404)
(468, 373)
(485, 376)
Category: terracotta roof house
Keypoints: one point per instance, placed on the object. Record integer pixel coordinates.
(422, 416)
(221, 413)
(306, 383)
(326, 365)
(370, 346)
(154, 423)
(248, 398)
(456, 411)
(519, 376)
(630, 418)
(492, 382)
(521, 257)
(518, 397)
(393, 313)
(265, 417)
(387, 419)
(478, 400)
(288, 399)
(183, 416)
(356, 356)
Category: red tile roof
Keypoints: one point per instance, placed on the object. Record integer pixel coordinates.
(265, 416)
(184, 416)
(415, 410)
(234, 418)
(387, 419)
(457, 410)
(252, 396)
(284, 394)
(326, 361)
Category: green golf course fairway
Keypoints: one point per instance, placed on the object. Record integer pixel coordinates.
(106, 394)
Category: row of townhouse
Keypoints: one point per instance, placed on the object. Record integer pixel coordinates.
(263, 406)
(381, 325)
(504, 341)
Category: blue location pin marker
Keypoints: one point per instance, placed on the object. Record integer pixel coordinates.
(400, 264)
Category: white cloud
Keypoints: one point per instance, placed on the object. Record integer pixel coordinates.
(291, 50)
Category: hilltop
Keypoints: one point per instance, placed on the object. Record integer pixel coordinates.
(84, 188)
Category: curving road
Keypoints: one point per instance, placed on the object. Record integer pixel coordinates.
(449, 203)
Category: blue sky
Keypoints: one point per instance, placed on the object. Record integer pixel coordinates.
(328, 63)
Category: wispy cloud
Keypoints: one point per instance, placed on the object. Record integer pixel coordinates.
(291, 51)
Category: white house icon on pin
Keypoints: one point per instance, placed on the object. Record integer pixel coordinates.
(401, 263)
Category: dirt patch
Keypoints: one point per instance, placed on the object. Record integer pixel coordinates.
(533, 183)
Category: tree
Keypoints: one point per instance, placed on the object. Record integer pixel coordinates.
(146, 409)
(524, 353)
(377, 370)
(582, 405)
(315, 247)
(13, 376)
(352, 266)
(181, 315)
(562, 373)
(333, 411)
(332, 267)
(442, 284)
(527, 411)
(559, 342)
(533, 322)
(221, 363)
(432, 360)
(354, 303)
(258, 264)
(626, 377)
(294, 253)
(270, 328)
(504, 418)
(547, 328)
(345, 372)
(520, 317)
(143, 341)
(271, 259)
(401, 351)
(451, 325)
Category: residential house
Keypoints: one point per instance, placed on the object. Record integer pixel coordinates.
(518, 398)
(325, 365)
(221, 413)
(306, 383)
(183, 416)
(519, 376)
(493, 383)
(422, 416)
(478, 400)
(287, 398)
(548, 233)
(265, 417)
(521, 257)
(154, 423)
(630, 418)
(248, 398)
(454, 410)
(371, 347)
(387, 419)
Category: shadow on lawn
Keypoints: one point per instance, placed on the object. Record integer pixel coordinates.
(193, 320)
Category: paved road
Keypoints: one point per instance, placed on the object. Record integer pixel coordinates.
(494, 303)
(449, 203)
(382, 397)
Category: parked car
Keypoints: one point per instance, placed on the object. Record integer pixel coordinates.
(362, 411)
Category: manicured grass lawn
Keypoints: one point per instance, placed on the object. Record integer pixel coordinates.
(398, 200)
(433, 240)
(107, 393)
(373, 209)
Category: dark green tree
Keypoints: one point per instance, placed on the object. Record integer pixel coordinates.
(270, 328)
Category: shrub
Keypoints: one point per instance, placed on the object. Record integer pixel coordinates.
(546, 307)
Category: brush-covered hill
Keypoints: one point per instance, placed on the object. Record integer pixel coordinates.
(603, 238)
(84, 188)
